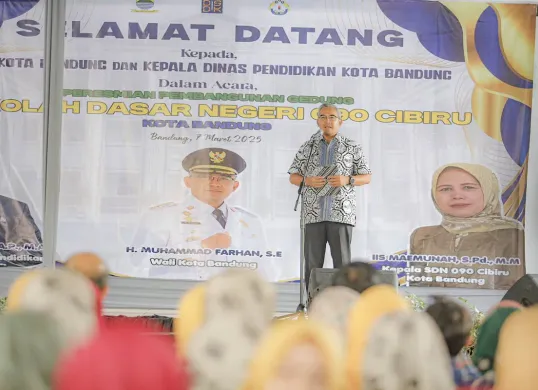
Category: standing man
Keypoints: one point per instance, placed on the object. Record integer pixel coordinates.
(331, 166)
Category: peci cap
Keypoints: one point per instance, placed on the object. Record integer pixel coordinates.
(214, 160)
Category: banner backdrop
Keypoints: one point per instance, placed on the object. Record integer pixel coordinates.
(438, 95)
(21, 144)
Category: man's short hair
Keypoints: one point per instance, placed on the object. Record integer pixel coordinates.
(454, 321)
(357, 275)
(330, 105)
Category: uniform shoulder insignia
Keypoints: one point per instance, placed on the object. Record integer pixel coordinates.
(243, 211)
(163, 205)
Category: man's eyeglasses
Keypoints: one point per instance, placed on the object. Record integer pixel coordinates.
(212, 176)
(330, 118)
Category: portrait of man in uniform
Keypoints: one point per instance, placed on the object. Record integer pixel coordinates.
(204, 220)
(20, 238)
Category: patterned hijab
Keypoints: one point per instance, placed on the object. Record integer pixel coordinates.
(235, 291)
(374, 303)
(66, 296)
(232, 314)
(220, 352)
(489, 219)
(406, 351)
(517, 353)
(280, 339)
(332, 307)
(242, 292)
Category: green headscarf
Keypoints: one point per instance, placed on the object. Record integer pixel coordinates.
(488, 336)
(30, 346)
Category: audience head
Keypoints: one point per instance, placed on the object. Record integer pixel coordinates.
(242, 292)
(30, 346)
(123, 358)
(296, 355)
(405, 350)
(488, 335)
(91, 266)
(373, 303)
(357, 276)
(224, 329)
(234, 292)
(332, 307)
(454, 320)
(516, 360)
(238, 306)
(220, 352)
(66, 296)
(190, 316)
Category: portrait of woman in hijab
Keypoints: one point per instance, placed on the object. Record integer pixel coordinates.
(468, 197)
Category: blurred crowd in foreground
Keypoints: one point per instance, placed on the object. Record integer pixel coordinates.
(358, 334)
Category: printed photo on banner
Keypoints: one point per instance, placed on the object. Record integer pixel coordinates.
(204, 228)
(21, 244)
(182, 118)
(475, 245)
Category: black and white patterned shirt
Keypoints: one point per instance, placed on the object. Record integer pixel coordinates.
(347, 156)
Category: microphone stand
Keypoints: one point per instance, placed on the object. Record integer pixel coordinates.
(302, 188)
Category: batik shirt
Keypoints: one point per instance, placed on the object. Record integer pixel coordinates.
(349, 159)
